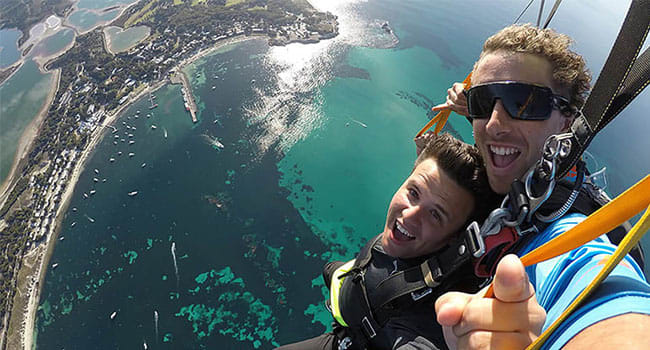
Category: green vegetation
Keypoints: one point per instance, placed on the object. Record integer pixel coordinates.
(23, 14)
(233, 2)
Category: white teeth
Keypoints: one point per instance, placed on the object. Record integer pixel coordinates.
(403, 230)
(503, 151)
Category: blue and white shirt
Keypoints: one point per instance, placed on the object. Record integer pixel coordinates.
(560, 280)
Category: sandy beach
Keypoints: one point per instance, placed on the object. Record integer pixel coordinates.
(32, 274)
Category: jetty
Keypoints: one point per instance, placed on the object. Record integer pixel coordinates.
(178, 77)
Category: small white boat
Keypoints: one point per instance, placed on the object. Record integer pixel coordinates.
(133, 193)
(119, 153)
(85, 195)
(153, 127)
(113, 315)
(213, 87)
(61, 238)
(90, 219)
(131, 154)
(54, 266)
(96, 171)
(103, 180)
(115, 142)
(74, 209)
(130, 135)
(73, 224)
(95, 179)
(133, 128)
(165, 130)
(144, 165)
(131, 142)
(145, 346)
(111, 160)
(92, 192)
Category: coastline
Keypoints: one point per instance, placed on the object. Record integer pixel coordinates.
(28, 136)
(32, 282)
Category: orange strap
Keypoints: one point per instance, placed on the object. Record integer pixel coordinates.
(605, 219)
(630, 240)
(443, 115)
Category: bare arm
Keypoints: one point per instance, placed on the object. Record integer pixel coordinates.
(628, 331)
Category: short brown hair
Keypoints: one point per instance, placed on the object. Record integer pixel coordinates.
(570, 73)
(463, 163)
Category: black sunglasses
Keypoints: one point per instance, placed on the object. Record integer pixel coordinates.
(522, 101)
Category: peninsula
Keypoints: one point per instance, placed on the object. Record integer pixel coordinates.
(94, 86)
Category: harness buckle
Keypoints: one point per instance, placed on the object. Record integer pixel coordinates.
(475, 242)
(367, 327)
(419, 295)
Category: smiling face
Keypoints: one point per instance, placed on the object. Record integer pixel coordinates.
(510, 147)
(425, 212)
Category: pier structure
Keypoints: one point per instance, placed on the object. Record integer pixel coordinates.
(178, 77)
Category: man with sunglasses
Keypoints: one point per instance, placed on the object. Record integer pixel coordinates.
(526, 86)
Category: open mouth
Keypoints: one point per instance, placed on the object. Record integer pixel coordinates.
(503, 157)
(401, 234)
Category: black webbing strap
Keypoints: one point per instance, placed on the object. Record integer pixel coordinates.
(618, 83)
(363, 258)
(430, 274)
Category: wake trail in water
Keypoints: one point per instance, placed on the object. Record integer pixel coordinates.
(175, 265)
(155, 323)
(358, 122)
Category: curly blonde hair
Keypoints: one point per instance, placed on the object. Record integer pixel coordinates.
(570, 73)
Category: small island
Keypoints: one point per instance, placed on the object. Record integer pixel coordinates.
(94, 86)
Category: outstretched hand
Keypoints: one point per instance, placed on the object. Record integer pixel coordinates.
(456, 100)
(512, 320)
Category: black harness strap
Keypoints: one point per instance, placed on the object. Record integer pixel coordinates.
(613, 90)
(438, 269)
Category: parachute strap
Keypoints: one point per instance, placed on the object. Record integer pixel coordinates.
(630, 240)
(624, 75)
(441, 118)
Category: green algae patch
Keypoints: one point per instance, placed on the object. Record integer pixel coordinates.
(46, 313)
(273, 256)
(168, 337)
(131, 255)
(202, 277)
(318, 312)
(236, 312)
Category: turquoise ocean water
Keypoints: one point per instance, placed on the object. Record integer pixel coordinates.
(223, 247)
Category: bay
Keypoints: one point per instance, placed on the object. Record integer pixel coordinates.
(9, 53)
(53, 44)
(21, 97)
